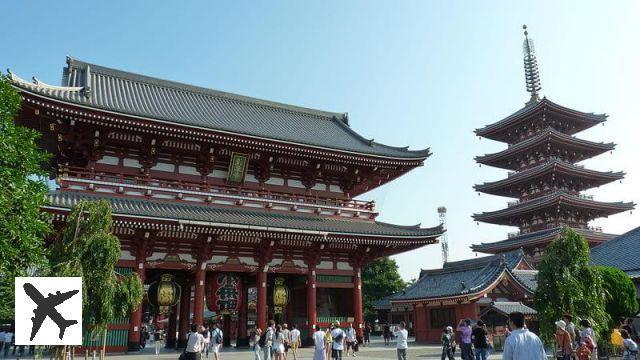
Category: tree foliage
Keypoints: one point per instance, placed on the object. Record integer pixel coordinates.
(87, 248)
(620, 294)
(379, 280)
(568, 284)
(22, 192)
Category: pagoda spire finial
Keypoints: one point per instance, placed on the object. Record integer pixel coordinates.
(531, 74)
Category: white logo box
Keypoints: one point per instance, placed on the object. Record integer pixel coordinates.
(69, 310)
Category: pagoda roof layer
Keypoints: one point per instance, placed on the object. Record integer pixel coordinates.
(582, 120)
(467, 278)
(536, 238)
(248, 219)
(559, 198)
(548, 136)
(502, 187)
(620, 252)
(101, 88)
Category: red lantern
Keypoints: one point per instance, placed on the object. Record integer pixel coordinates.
(225, 293)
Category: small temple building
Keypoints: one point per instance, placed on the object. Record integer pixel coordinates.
(545, 177)
(622, 253)
(241, 206)
(463, 289)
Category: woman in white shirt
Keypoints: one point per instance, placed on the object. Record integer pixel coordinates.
(254, 342)
(195, 343)
(278, 343)
(319, 341)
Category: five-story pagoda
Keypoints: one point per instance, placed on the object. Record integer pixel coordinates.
(545, 177)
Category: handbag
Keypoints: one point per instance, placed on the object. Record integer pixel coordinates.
(183, 356)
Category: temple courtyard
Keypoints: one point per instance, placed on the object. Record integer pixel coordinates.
(377, 350)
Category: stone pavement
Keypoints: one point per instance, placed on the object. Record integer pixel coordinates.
(376, 351)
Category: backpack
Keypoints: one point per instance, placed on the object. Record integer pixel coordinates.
(217, 337)
(263, 339)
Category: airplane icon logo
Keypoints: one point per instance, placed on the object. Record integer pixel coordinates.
(47, 307)
(47, 310)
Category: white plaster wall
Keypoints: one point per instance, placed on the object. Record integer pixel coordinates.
(126, 255)
(325, 265)
(188, 170)
(131, 163)
(248, 261)
(157, 256)
(275, 181)
(109, 160)
(164, 167)
(343, 266)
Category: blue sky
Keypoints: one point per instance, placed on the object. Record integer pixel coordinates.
(417, 73)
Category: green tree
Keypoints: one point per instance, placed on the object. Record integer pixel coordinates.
(379, 280)
(620, 295)
(87, 248)
(22, 192)
(568, 284)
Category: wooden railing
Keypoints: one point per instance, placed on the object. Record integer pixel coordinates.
(202, 189)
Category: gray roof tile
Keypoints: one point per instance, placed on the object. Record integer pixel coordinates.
(507, 307)
(244, 216)
(126, 93)
(620, 252)
(461, 277)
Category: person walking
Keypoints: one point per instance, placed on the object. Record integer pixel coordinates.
(479, 338)
(2, 334)
(588, 337)
(287, 339)
(446, 339)
(295, 341)
(328, 342)
(402, 337)
(216, 338)
(278, 343)
(630, 346)
(367, 335)
(338, 341)
(563, 341)
(158, 338)
(195, 342)
(386, 334)
(522, 344)
(573, 333)
(268, 339)
(464, 327)
(206, 334)
(319, 342)
(8, 341)
(254, 342)
(631, 329)
(351, 340)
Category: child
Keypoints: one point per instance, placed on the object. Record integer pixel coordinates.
(630, 347)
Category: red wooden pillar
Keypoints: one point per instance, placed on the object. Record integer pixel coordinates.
(135, 324)
(357, 303)
(312, 318)
(243, 336)
(171, 331)
(261, 306)
(198, 300)
(185, 312)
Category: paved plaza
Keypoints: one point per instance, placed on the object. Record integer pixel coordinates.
(377, 350)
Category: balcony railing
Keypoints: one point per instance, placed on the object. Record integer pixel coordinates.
(207, 192)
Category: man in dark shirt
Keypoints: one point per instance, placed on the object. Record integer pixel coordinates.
(479, 338)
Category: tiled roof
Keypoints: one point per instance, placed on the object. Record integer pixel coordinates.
(382, 304)
(528, 278)
(532, 238)
(220, 216)
(507, 307)
(559, 198)
(550, 135)
(587, 119)
(103, 88)
(459, 278)
(502, 187)
(621, 252)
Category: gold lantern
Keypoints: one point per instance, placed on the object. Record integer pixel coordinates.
(280, 296)
(164, 294)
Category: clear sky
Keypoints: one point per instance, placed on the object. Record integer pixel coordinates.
(417, 73)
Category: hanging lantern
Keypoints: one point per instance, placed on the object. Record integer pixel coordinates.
(164, 294)
(280, 296)
(225, 296)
